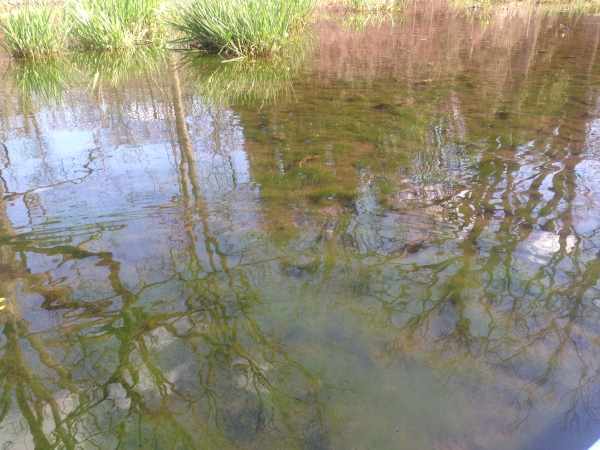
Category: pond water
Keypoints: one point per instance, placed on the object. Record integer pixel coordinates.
(388, 240)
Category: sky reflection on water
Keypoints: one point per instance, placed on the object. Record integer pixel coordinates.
(387, 240)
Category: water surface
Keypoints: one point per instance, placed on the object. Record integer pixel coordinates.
(388, 240)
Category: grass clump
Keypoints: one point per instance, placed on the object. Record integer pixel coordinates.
(113, 24)
(240, 27)
(31, 31)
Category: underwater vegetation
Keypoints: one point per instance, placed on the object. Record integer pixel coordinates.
(262, 79)
(54, 78)
(43, 81)
(246, 80)
(372, 5)
(358, 21)
(112, 68)
(540, 6)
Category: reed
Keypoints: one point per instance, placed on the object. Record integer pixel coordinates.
(113, 24)
(240, 27)
(32, 31)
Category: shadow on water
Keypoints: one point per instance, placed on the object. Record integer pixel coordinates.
(387, 240)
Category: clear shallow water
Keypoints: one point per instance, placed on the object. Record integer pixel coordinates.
(388, 240)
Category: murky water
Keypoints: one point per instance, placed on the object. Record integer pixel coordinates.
(390, 240)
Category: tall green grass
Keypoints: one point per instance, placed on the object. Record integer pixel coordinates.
(240, 27)
(31, 31)
(113, 24)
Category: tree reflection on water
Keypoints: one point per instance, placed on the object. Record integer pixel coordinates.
(169, 256)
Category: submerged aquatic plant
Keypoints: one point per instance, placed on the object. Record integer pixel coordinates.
(485, 8)
(246, 80)
(112, 68)
(357, 22)
(113, 24)
(372, 5)
(265, 80)
(43, 82)
(238, 26)
(31, 31)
